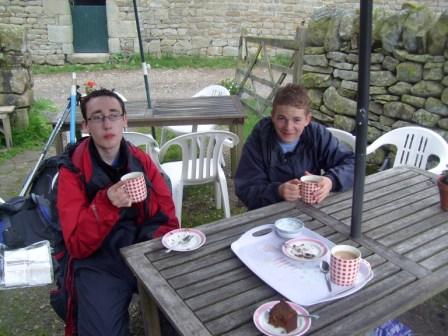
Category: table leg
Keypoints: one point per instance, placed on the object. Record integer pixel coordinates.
(149, 311)
(235, 152)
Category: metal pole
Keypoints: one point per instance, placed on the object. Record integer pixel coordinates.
(50, 141)
(73, 104)
(365, 37)
(142, 55)
(144, 66)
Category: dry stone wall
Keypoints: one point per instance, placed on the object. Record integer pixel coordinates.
(408, 74)
(15, 73)
(193, 27)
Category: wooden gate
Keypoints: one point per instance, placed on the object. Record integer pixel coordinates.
(264, 64)
(90, 27)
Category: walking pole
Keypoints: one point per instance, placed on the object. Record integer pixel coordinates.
(144, 66)
(50, 140)
(73, 110)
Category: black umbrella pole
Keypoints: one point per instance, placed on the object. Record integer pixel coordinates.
(365, 38)
(142, 55)
(144, 67)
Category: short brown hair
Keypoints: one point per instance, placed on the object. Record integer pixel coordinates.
(99, 93)
(292, 95)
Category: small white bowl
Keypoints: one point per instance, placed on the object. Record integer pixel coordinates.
(288, 227)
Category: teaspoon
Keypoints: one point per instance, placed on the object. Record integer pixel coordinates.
(325, 268)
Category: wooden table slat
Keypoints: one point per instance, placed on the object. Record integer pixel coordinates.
(210, 283)
(373, 190)
(224, 292)
(426, 251)
(401, 235)
(403, 222)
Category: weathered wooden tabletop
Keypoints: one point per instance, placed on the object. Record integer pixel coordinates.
(210, 292)
(219, 110)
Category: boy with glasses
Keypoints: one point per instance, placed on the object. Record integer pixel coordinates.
(98, 218)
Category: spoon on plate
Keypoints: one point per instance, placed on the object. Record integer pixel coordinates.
(183, 241)
(325, 268)
(314, 316)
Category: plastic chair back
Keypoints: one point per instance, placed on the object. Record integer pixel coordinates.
(344, 137)
(212, 90)
(208, 91)
(147, 141)
(414, 146)
(202, 154)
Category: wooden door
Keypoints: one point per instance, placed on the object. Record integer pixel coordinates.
(89, 26)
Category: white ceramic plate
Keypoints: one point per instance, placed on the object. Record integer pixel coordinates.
(178, 240)
(261, 318)
(304, 249)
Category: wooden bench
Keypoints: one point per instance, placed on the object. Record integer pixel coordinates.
(6, 130)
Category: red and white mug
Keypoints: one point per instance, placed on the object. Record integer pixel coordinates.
(308, 185)
(344, 264)
(135, 186)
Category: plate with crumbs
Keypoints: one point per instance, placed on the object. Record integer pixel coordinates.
(261, 320)
(304, 249)
(182, 240)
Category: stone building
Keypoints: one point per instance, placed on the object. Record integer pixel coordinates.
(60, 31)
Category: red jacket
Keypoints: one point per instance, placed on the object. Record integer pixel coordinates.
(85, 224)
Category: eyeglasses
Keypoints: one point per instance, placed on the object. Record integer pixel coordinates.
(99, 118)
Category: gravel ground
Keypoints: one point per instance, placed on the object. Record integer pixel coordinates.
(26, 312)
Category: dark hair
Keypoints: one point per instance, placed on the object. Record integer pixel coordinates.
(292, 95)
(99, 93)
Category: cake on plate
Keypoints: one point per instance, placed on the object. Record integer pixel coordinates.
(283, 316)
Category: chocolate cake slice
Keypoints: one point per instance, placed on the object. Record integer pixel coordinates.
(283, 316)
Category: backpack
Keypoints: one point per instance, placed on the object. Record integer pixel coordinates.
(25, 220)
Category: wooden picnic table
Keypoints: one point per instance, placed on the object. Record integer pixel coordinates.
(211, 292)
(219, 110)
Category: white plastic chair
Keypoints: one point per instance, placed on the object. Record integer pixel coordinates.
(344, 137)
(201, 157)
(211, 90)
(150, 144)
(414, 145)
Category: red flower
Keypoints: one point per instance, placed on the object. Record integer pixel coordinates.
(89, 86)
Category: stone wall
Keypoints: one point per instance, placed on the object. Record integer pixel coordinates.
(15, 73)
(408, 77)
(194, 27)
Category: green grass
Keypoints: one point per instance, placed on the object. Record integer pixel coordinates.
(133, 62)
(33, 137)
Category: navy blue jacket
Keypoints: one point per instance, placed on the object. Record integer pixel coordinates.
(263, 166)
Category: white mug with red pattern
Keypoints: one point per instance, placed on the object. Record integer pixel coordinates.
(308, 185)
(344, 264)
(135, 186)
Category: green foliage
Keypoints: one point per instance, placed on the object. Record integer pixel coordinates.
(251, 120)
(37, 132)
(231, 85)
(133, 62)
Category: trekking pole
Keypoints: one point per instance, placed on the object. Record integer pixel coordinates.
(73, 105)
(50, 141)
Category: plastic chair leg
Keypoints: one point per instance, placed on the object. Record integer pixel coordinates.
(162, 136)
(177, 199)
(224, 193)
(218, 199)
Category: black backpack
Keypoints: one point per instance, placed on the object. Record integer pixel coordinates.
(25, 220)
